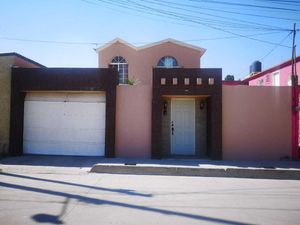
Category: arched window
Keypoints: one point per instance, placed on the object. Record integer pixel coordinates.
(167, 62)
(120, 63)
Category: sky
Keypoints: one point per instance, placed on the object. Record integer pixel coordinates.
(64, 33)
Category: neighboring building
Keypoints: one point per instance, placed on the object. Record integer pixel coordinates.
(7, 61)
(279, 75)
(150, 101)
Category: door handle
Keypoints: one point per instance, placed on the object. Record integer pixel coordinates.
(172, 127)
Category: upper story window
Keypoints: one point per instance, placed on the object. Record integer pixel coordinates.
(120, 63)
(289, 83)
(276, 78)
(167, 62)
(260, 82)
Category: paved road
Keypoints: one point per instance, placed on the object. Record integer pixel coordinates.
(47, 195)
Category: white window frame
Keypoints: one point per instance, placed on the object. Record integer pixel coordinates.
(168, 56)
(276, 78)
(123, 75)
(289, 83)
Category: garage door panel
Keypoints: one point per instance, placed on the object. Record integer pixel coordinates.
(64, 128)
(55, 148)
(85, 115)
(63, 115)
(52, 134)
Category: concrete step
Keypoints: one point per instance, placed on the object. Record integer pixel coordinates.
(257, 173)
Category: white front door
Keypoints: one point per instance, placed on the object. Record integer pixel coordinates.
(183, 126)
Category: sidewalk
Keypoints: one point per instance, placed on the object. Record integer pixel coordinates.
(206, 168)
(176, 167)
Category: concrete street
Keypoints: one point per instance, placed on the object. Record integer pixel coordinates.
(71, 195)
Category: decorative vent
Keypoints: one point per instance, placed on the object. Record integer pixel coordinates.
(199, 81)
(175, 81)
(186, 81)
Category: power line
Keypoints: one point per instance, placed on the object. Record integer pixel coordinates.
(276, 46)
(135, 43)
(139, 13)
(173, 15)
(218, 23)
(229, 12)
(246, 5)
(175, 6)
(281, 2)
(48, 42)
(135, 6)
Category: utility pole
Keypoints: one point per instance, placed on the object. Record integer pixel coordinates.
(295, 102)
(294, 77)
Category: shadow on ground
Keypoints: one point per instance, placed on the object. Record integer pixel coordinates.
(58, 219)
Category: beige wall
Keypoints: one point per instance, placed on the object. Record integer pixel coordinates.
(256, 122)
(6, 62)
(134, 103)
(5, 71)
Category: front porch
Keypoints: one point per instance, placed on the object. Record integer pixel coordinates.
(187, 113)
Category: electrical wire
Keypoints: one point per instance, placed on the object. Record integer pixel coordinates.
(135, 43)
(246, 5)
(146, 9)
(137, 13)
(281, 2)
(276, 46)
(141, 8)
(170, 5)
(208, 21)
(229, 12)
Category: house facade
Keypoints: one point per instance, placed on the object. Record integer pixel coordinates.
(153, 101)
(141, 129)
(7, 61)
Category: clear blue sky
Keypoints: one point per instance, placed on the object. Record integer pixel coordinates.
(32, 27)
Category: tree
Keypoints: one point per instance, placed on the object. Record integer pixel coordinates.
(229, 78)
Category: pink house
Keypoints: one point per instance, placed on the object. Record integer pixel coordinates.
(134, 106)
(153, 101)
(279, 75)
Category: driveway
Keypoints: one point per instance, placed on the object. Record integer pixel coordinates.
(52, 194)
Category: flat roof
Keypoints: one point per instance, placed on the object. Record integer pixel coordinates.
(22, 57)
(271, 69)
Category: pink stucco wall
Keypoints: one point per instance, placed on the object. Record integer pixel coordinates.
(141, 61)
(256, 122)
(133, 121)
(267, 78)
(134, 103)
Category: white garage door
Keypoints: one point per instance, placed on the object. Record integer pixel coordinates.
(64, 124)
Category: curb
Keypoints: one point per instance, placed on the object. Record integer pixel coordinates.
(283, 174)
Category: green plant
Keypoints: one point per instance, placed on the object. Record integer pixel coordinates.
(132, 80)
